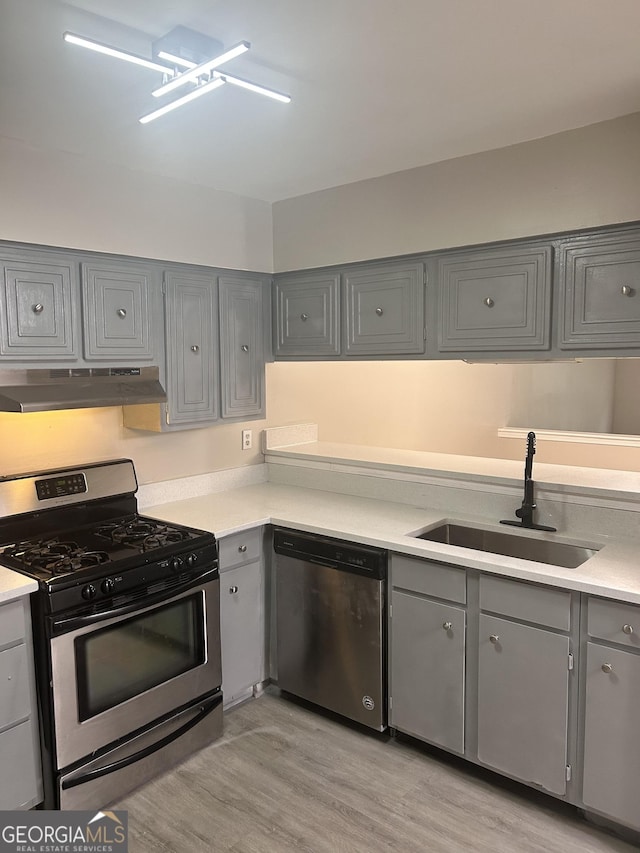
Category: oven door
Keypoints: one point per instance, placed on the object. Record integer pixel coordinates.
(117, 672)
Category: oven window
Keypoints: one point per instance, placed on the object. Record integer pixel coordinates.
(121, 661)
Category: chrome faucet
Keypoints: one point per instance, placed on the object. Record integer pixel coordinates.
(525, 512)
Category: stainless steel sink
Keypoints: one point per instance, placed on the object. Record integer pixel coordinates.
(510, 545)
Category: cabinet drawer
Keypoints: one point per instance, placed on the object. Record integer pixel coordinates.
(614, 621)
(11, 622)
(14, 686)
(429, 578)
(542, 605)
(240, 548)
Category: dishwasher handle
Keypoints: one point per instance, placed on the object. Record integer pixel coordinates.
(333, 553)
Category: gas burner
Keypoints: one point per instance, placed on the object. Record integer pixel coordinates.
(163, 537)
(41, 554)
(144, 533)
(73, 562)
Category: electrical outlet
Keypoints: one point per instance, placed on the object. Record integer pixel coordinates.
(247, 439)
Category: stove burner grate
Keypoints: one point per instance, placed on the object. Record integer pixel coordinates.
(145, 534)
(53, 556)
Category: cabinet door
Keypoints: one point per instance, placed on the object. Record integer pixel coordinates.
(38, 307)
(15, 701)
(306, 316)
(523, 693)
(191, 318)
(611, 743)
(20, 783)
(495, 300)
(427, 670)
(119, 300)
(600, 298)
(241, 348)
(385, 310)
(241, 629)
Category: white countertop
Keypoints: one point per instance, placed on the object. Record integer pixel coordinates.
(550, 477)
(614, 572)
(14, 585)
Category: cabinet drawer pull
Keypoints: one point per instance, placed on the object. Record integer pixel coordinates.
(379, 312)
(447, 626)
(494, 638)
(121, 312)
(242, 548)
(607, 667)
(38, 308)
(304, 317)
(233, 590)
(244, 348)
(627, 629)
(489, 302)
(195, 348)
(625, 290)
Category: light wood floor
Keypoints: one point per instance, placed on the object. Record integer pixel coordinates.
(283, 778)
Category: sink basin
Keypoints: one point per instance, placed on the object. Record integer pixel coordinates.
(510, 545)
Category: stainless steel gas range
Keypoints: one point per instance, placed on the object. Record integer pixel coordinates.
(126, 630)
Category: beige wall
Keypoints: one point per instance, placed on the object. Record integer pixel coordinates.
(582, 178)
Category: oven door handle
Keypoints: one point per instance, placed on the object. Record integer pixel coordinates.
(205, 709)
(63, 626)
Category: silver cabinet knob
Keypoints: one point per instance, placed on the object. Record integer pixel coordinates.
(242, 548)
(38, 308)
(494, 638)
(244, 348)
(195, 348)
(304, 317)
(627, 629)
(447, 626)
(607, 667)
(379, 312)
(233, 590)
(625, 290)
(121, 312)
(489, 302)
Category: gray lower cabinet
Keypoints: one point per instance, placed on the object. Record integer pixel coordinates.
(611, 701)
(119, 311)
(599, 292)
(20, 774)
(495, 300)
(242, 614)
(384, 310)
(523, 695)
(428, 669)
(306, 315)
(191, 316)
(242, 351)
(38, 301)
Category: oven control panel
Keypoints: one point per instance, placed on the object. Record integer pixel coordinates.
(60, 487)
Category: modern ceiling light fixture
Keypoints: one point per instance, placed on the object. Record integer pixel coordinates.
(191, 60)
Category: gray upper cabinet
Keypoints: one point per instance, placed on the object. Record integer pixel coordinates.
(37, 309)
(384, 310)
(241, 347)
(600, 292)
(494, 300)
(191, 327)
(306, 315)
(118, 307)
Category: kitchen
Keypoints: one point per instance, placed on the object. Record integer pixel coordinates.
(532, 187)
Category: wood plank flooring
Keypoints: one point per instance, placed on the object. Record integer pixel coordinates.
(284, 778)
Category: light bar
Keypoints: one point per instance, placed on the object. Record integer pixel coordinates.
(195, 93)
(237, 81)
(98, 47)
(176, 60)
(192, 74)
(254, 87)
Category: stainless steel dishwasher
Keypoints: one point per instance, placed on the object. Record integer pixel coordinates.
(330, 636)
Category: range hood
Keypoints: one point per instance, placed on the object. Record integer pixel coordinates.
(78, 388)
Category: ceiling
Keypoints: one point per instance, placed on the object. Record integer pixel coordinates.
(377, 87)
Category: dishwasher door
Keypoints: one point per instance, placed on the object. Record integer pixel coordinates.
(330, 638)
